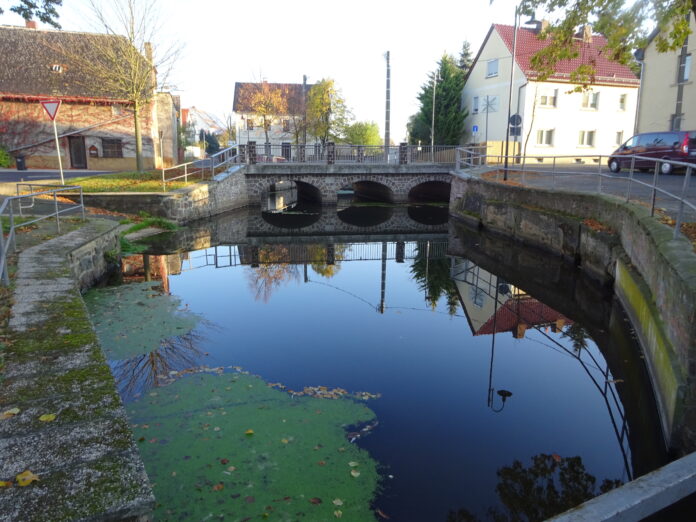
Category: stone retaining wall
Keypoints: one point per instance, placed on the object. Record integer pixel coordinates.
(666, 266)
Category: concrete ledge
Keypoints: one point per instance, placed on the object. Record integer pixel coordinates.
(640, 498)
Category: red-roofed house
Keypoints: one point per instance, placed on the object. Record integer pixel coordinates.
(555, 121)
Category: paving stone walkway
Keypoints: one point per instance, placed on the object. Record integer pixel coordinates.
(87, 464)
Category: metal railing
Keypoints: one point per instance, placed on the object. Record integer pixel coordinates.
(642, 183)
(34, 201)
(336, 153)
(200, 169)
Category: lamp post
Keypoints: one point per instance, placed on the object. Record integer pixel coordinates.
(436, 79)
(512, 77)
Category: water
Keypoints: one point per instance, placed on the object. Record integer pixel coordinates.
(450, 407)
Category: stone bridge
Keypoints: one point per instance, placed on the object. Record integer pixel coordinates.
(321, 183)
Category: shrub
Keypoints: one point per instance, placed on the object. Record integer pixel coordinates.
(5, 158)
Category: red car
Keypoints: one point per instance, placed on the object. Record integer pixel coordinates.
(655, 146)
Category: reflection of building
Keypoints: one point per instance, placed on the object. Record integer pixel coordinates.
(145, 267)
(493, 306)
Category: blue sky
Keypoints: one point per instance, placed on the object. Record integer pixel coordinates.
(226, 41)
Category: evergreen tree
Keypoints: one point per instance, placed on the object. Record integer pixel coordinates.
(466, 60)
(212, 145)
(449, 115)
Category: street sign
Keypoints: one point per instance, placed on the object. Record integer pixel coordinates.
(51, 107)
(515, 120)
(474, 129)
(515, 131)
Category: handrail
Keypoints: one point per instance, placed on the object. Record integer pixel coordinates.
(469, 158)
(199, 166)
(9, 242)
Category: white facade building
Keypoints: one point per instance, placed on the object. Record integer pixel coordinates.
(555, 119)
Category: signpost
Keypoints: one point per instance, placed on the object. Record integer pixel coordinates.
(51, 107)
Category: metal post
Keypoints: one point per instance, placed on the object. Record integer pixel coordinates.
(185, 172)
(654, 189)
(512, 78)
(13, 242)
(599, 176)
(432, 123)
(55, 204)
(387, 114)
(5, 273)
(60, 161)
(680, 215)
(553, 172)
(630, 178)
(82, 204)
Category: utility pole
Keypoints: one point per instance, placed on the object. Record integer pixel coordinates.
(436, 78)
(304, 109)
(387, 114)
(512, 77)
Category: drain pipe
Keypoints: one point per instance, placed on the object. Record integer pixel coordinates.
(519, 95)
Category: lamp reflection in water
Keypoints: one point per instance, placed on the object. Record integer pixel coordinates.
(503, 394)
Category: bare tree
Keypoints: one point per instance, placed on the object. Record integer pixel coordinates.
(122, 61)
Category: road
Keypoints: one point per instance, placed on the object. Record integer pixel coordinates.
(33, 175)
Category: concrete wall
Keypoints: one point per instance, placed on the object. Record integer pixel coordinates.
(665, 267)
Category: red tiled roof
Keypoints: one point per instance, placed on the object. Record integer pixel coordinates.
(514, 311)
(528, 44)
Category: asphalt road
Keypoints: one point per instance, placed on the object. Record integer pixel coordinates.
(13, 175)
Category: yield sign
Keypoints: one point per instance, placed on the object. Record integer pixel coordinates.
(51, 107)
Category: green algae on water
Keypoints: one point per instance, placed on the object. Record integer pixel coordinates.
(135, 318)
(229, 446)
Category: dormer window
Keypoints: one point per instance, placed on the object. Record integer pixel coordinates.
(56, 68)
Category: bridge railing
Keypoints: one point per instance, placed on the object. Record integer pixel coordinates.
(200, 169)
(337, 153)
(638, 179)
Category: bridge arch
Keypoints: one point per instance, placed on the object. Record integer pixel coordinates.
(367, 190)
(430, 191)
(283, 193)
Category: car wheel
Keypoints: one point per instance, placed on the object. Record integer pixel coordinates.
(666, 168)
(614, 166)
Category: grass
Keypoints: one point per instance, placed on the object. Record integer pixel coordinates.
(149, 181)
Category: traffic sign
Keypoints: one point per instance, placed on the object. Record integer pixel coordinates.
(51, 107)
(515, 120)
(474, 129)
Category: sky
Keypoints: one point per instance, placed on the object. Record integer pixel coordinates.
(228, 41)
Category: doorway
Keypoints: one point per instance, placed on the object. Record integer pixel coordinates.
(78, 155)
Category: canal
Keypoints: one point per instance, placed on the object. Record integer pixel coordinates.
(371, 363)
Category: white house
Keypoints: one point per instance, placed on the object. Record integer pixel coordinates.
(555, 119)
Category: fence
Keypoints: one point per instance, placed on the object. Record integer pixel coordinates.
(200, 169)
(36, 201)
(669, 197)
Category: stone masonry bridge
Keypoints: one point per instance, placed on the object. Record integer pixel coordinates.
(321, 183)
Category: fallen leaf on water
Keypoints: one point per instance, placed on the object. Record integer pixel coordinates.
(556, 457)
(9, 413)
(315, 500)
(173, 473)
(337, 502)
(25, 478)
(224, 461)
(322, 463)
(218, 487)
(48, 417)
(216, 428)
(352, 463)
(5, 484)
(338, 513)
(382, 514)
(355, 472)
(231, 468)
(284, 441)
(249, 432)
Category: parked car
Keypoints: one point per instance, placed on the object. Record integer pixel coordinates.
(673, 145)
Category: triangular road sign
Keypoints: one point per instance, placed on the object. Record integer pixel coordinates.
(51, 107)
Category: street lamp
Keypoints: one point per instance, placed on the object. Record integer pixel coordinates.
(503, 394)
(436, 79)
(512, 76)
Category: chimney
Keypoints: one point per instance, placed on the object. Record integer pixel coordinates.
(30, 24)
(587, 33)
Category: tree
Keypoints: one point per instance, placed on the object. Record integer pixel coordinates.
(121, 61)
(266, 101)
(327, 112)
(212, 145)
(622, 23)
(449, 115)
(363, 133)
(44, 10)
(433, 277)
(466, 60)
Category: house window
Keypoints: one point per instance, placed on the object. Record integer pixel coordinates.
(586, 138)
(250, 124)
(619, 138)
(492, 68)
(549, 98)
(684, 68)
(622, 101)
(545, 137)
(475, 108)
(112, 148)
(286, 125)
(590, 100)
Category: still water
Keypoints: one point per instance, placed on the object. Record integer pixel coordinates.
(394, 368)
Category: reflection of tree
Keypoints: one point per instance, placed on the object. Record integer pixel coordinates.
(317, 256)
(272, 272)
(438, 282)
(551, 485)
(578, 336)
(152, 369)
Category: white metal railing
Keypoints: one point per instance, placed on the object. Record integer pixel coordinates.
(205, 168)
(338, 153)
(564, 173)
(28, 201)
